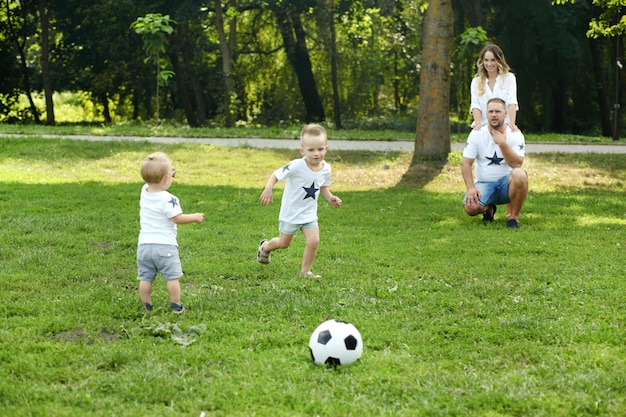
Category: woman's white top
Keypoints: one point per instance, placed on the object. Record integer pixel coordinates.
(504, 88)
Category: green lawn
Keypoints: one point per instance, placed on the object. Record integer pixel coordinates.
(458, 318)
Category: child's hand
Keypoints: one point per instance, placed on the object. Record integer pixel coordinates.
(198, 217)
(335, 201)
(266, 197)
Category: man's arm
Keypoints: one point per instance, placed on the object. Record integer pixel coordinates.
(466, 170)
(510, 156)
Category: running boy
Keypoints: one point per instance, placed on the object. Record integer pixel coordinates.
(160, 213)
(306, 179)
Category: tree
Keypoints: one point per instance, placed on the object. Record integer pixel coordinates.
(44, 20)
(154, 28)
(294, 39)
(227, 48)
(432, 138)
(612, 24)
(18, 30)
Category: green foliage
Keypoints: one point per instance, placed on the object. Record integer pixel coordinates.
(153, 28)
(612, 21)
(457, 318)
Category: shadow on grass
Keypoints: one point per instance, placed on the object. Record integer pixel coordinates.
(421, 173)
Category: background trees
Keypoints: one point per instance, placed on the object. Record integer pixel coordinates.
(347, 62)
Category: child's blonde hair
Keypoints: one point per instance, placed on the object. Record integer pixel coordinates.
(313, 130)
(156, 166)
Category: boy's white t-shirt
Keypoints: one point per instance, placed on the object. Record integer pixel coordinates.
(155, 213)
(302, 190)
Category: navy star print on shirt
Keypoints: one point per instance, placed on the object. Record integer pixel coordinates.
(286, 167)
(173, 202)
(310, 191)
(495, 160)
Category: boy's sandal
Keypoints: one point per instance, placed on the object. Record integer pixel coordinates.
(311, 275)
(261, 256)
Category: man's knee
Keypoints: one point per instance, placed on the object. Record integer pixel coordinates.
(518, 179)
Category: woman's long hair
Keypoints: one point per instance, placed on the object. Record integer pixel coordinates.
(503, 67)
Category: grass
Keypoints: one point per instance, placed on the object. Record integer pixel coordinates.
(458, 318)
(275, 132)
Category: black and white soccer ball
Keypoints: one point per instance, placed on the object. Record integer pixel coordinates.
(335, 342)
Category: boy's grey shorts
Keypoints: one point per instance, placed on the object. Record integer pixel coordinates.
(152, 258)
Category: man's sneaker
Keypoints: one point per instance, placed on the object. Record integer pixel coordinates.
(147, 307)
(490, 213)
(262, 257)
(177, 308)
(311, 275)
(512, 224)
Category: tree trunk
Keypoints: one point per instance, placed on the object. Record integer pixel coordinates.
(226, 48)
(473, 11)
(106, 111)
(433, 112)
(45, 61)
(333, 67)
(603, 99)
(294, 39)
(182, 90)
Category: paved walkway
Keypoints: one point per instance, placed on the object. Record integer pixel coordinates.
(379, 146)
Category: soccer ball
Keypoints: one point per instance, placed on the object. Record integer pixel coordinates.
(335, 342)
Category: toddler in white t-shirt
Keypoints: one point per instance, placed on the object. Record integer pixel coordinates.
(160, 213)
(305, 180)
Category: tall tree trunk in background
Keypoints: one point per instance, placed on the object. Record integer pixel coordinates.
(227, 46)
(603, 99)
(473, 11)
(195, 84)
(20, 45)
(294, 39)
(333, 66)
(432, 138)
(45, 60)
(182, 90)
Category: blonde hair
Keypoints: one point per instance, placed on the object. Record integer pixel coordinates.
(503, 67)
(156, 166)
(313, 130)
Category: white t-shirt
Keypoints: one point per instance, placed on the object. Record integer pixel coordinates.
(504, 88)
(302, 189)
(490, 163)
(155, 213)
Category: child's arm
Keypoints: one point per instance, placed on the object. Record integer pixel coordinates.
(267, 195)
(333, 200)
(188, 218)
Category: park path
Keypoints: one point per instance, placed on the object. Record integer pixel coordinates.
(370, 145)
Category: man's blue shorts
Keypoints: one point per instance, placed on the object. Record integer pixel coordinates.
(493, 192)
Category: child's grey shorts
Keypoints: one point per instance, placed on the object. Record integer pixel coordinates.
(153, 258)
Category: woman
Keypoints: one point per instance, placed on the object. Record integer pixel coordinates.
(493, 79)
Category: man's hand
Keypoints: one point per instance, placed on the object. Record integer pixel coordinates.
(472, 196)
(498, 137)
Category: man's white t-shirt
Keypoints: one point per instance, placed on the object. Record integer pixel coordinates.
(490, 163)
(155, 213)
(302, 189)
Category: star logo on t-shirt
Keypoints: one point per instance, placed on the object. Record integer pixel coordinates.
(310, 191)
(495, 160)
(521, 146)
(173, 201)
(286, 167)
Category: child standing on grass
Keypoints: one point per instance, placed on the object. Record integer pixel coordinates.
(306, 179)
(160, 213)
